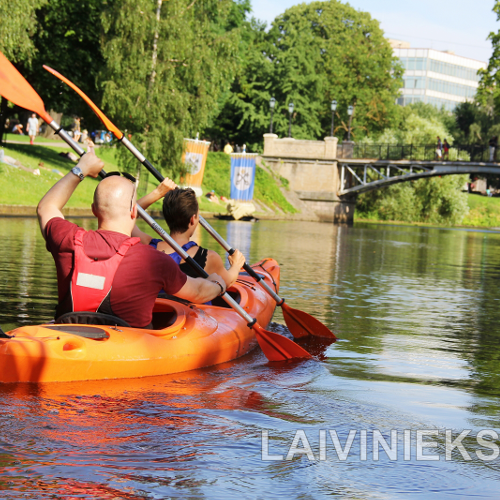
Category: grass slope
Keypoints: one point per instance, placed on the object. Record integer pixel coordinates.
(218, 177)
(23, 188)
(483, 211)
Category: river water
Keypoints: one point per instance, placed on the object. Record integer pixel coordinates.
(417, 313)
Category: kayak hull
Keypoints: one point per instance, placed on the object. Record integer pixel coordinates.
(192, 337)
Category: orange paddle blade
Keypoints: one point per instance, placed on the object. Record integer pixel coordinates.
(302, 324)
(278, 348)
(105, 120)
(15, 88)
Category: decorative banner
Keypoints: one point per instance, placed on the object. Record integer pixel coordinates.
(242, 176)
(195, 157)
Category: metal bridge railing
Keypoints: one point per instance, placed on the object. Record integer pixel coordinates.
(467, 152)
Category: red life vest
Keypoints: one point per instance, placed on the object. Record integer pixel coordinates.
(92, 279)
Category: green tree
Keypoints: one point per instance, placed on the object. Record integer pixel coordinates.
(312, 54)
(435, 200)
(418, 124)
(167, 63)
(18, 24)
(64, 35)
(490, 77)
(17, 27)
(438, 200)
(244, 107)
(68, 39)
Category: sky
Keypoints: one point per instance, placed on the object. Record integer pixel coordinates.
(458, 25)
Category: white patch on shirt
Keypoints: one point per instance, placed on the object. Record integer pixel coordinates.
(90, 281)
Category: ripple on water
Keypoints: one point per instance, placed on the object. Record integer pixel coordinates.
(416, 312)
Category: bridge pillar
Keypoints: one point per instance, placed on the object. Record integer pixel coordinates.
(313, 173)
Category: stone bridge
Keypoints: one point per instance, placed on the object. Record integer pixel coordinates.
(329, 185)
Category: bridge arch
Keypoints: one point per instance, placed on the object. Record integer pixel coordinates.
(360, 176)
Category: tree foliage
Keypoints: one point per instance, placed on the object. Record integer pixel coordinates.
(417, 124)
(18, 24)
(490, 77)
(167, 62)
(68, 39)
(438, 200)
(312, 54)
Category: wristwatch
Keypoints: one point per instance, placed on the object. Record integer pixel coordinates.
(78, 172)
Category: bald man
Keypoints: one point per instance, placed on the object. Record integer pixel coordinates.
(107, 270)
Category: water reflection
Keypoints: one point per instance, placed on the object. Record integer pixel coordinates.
(417, 314)
(239, 233)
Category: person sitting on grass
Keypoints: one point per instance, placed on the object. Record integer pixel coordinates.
(17, 129)
(181, 213)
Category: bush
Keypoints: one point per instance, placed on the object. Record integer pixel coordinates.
(438, 200)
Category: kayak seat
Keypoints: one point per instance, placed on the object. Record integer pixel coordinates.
(91, 318)
(163, 319)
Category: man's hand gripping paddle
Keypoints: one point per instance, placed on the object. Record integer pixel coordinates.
(15, 88)
(300, 323)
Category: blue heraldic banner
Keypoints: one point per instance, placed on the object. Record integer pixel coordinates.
(242, 176)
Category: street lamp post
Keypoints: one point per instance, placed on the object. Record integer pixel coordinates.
(290, 111)
(350, 110)
(334, 107)
(272, 103)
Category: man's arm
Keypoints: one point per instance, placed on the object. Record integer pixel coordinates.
(158, 193)
(52, 203)
(200, 290)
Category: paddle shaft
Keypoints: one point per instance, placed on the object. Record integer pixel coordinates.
(204, 223)
(144, 215)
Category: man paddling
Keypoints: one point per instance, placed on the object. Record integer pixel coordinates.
(106, 270)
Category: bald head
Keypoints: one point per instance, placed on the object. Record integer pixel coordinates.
(113, 197)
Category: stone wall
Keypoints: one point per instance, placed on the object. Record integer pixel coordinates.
(294, 148)
(313, 174)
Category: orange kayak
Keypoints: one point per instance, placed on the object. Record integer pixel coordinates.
(185, 337)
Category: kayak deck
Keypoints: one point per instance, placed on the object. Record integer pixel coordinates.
(185, 337)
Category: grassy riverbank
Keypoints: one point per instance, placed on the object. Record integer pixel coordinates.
(20, 187)
(484, 211)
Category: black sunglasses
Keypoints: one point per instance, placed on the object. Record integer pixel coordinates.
(131, 178)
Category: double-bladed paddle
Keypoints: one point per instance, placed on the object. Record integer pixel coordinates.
(300, 323)
(15, 88)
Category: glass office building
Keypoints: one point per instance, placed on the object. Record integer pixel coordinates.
(435, 77)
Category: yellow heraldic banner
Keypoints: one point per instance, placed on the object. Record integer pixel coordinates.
(195, 157)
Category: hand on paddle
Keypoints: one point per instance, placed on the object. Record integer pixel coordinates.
(236, 260)
(90, 164)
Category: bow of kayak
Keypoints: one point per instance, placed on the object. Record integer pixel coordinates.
(185, 337)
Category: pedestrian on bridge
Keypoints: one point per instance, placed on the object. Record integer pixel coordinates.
(446, 148)
(439, 148)
(493, 143)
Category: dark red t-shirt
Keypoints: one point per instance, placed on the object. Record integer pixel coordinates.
(142, 273)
